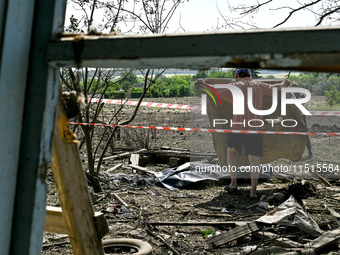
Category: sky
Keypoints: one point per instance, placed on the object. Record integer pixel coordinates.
(203, 15)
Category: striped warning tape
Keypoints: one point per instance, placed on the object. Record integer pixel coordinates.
(325, 113)
(186, 106)
(208, 130)
(148, 104)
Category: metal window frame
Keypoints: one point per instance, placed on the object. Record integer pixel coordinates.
(29, 90)
(29, 87)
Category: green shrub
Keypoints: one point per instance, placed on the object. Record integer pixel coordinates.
(333, 96)
(136, 93)
(200, 74)
(118, 94)
(221, 74)
(174, 86)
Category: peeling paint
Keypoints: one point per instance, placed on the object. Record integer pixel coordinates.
(280, 60)
(310, 49)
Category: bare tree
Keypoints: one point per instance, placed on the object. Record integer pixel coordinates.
(122, 16)
(326, 12)
(143, 16)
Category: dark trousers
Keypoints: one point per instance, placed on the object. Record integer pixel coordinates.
(309, 146)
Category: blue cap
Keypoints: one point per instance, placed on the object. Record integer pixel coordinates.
(242, 70)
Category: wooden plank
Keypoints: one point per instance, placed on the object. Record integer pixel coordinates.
(169, 152)
(114, 168)
(199, 223)
(172, 148)
(323, 180)
(336, 215)
(324, 240)
(72, 189)
(120, 199)
(123, 155)
(214, 214)
(55, 223)
(178, 153)
(283, 49)
(101, 225)
(277, 240)
(235, 234)
(143, 169)
(166, 149)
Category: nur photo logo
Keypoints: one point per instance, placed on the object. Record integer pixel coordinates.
(240, 101)
(239, 98)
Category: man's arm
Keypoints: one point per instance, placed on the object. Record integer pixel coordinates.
(284, 83)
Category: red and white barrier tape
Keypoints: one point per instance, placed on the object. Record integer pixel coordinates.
(148, 104)
(186, 107)
(325, 113)
(208, 130)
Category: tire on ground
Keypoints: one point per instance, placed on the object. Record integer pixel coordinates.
(143, 248)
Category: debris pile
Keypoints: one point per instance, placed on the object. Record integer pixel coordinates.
(179, 211)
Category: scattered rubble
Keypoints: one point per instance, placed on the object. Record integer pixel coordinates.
(201, 218)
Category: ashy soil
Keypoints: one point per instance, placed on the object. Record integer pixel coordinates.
(161, 216)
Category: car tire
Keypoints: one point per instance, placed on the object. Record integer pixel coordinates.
(143, 248)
